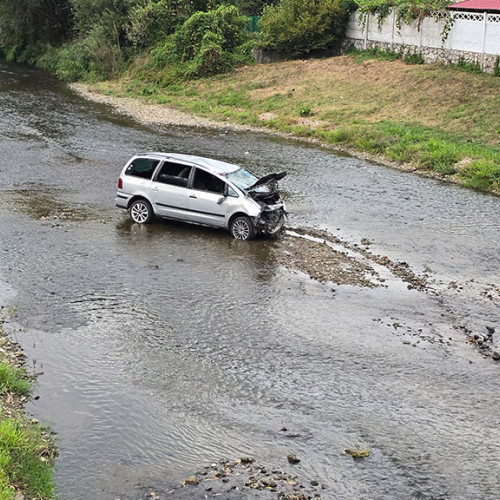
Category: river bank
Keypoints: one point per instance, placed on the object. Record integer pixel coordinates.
(159, 115)
(385, 111)
(27, 450)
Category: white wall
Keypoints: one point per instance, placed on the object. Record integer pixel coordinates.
(477, 34)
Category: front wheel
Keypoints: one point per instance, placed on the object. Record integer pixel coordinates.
(242, 228)
(141, 212)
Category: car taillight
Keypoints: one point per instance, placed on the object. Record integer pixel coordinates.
(120, 183)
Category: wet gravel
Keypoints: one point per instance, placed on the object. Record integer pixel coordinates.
(247, 478)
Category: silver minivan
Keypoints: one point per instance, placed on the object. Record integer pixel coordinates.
(203, 191)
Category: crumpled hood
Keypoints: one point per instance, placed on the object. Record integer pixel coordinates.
(267, 179)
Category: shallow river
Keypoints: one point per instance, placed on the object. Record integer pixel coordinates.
(165, 348)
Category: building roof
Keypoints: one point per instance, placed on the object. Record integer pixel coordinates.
(477, 5)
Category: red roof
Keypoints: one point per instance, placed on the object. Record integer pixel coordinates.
(481, 5)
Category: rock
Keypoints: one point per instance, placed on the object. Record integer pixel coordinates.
(358, 453)
(193, 480)
(268, 483)
(495, 356)
(292, 458)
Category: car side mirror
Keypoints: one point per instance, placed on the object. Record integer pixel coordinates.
(220, 200)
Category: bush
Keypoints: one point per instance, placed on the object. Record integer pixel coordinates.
(71, 63)
(152, 23)
(206, 44)
(225, 23)
(413, 58)
(297, 27)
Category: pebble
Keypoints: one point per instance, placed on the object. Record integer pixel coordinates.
(495, 356)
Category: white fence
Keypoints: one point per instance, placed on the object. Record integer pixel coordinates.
(474, 37)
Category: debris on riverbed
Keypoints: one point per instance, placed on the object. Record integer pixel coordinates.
(244, 478)
(358, 452)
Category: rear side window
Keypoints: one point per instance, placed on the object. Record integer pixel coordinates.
(142, 167)
(204, 181)
(174, 173)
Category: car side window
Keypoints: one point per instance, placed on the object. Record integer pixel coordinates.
(204, 181)
(175, 174)
(142, 167)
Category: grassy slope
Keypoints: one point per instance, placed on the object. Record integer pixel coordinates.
(429, 117)
(26, 452)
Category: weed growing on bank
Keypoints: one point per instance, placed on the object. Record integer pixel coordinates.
(26, 451)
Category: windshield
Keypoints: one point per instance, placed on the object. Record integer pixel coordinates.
(242, 178)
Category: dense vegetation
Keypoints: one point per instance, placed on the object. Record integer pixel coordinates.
(96, 39)
(26, 453)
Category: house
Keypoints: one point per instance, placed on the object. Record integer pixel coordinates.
(490, 6)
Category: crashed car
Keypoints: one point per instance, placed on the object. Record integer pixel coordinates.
(203, 191)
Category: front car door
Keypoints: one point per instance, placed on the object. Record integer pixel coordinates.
(206, 203)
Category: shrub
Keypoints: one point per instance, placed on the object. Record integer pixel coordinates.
(72, 62)
(297, 27)
(225, 22)
(206, 44)
(413, 58)
(469, 67)
(150, 24)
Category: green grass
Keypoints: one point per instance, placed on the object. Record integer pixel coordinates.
(435, 119)
(13, 379)
(26, 452)
(24, 461)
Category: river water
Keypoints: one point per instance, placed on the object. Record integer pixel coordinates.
(162, 349)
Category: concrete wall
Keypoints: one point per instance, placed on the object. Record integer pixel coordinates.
(474, 37)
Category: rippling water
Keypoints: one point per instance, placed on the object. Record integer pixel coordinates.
(167, 347)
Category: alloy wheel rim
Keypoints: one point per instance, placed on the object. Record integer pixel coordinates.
(241, 230)
(139, 212)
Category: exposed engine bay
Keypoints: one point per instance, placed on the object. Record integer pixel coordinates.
(266, 193)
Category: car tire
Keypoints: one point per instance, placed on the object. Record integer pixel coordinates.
(141, 212)
(242, 228)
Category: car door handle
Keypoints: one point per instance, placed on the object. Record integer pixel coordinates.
(193, 196)
(155, 189)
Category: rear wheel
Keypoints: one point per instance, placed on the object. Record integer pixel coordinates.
(141, 212)
(242, 228)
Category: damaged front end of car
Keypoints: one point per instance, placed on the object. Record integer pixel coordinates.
(266, 193)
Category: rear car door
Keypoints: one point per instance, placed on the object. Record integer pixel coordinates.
(169, 192)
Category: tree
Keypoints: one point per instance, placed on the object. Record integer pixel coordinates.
(297, 27)
(28, 23)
